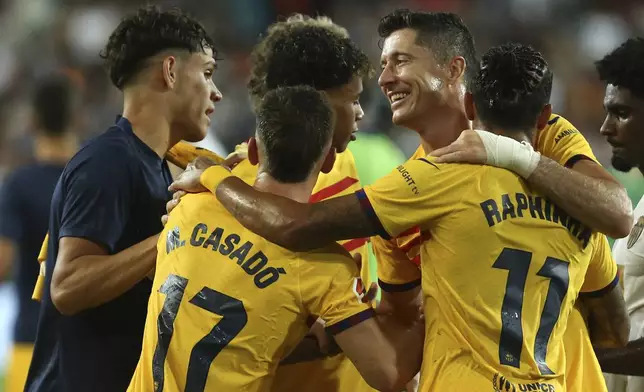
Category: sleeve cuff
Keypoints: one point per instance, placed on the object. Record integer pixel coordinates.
(398, 287)
(350, 321)
(576, 158)
(213, 176)
(371, 214)
(601, 292)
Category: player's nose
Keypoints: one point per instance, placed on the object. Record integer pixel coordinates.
(386, 77)
(215, 94)
(607, 128)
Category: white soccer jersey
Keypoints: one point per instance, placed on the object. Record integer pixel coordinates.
(629, 252)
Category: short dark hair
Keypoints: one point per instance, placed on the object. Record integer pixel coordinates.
(305, 51)
(147, 33)
(294, 125)
(54, 102)
(623, 67)
(444, 33)
(512, 87)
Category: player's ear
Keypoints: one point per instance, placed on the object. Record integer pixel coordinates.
(253, 154)
(170, 71)
(470, 109)
(456, 68)
(544, 117)
(329, 161)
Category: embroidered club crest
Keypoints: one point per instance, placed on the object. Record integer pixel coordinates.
(636, 232)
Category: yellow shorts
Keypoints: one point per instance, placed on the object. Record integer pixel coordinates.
(19, 362)
(335, 374)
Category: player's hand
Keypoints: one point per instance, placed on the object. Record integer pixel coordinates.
(372, 292)
(240, 153)
(201, 163)
(319, 332)
(169, 206)
(189, 181)
(468, 148)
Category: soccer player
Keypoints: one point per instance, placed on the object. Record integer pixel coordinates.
(318, 53)
(624, 131)
(229, 305)
(485, 258)
(106, 207)
(427, 60)
(24, 208)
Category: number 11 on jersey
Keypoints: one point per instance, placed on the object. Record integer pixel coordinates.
(517, 263)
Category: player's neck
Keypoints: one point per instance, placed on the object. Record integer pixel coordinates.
(440, 131)
(300, 192)
(55, 149)
(149, 122)
(518, 135)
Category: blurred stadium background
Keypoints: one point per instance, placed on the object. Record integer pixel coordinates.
(41, 36)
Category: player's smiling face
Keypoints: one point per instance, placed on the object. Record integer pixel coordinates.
(411, 79)
(345, 101)
(197, 94)
(623, 127)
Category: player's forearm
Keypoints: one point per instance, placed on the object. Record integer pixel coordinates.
(293, 225)
(601, 204)
(90, 281)
(627, 361)
(608, 321)
(407, 343)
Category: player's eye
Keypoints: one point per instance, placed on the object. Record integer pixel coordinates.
(208, 73)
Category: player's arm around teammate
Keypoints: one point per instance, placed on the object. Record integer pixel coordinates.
(583, 188)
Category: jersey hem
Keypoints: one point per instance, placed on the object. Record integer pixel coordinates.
(398, 287)
(371, 214)
(351, 321)
(601, 292)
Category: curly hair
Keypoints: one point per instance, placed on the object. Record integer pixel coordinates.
(294, 125)
(623, 66)
(147, 33)
(305, 51)
(512, 87)
(444, 32)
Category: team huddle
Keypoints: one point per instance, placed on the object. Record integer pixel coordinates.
(493, 263)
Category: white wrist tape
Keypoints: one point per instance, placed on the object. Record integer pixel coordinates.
(509, 154)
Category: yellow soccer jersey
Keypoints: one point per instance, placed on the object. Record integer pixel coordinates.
(503, 267)
(559, 140)
(562, 142)
(227, 305)
(336, 373)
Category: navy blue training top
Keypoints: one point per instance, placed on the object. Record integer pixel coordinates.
(113, 192)
(25, 198)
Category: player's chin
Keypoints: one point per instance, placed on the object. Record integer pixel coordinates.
(620, 163)
(342, 147)
(196, 134)
(400, 118)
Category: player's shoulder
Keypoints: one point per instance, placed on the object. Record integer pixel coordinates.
(557, 128)
(246, 171)
(331, 254)
(430, 163)
(110, 149)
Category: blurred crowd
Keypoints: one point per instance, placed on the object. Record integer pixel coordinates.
(38, 37)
